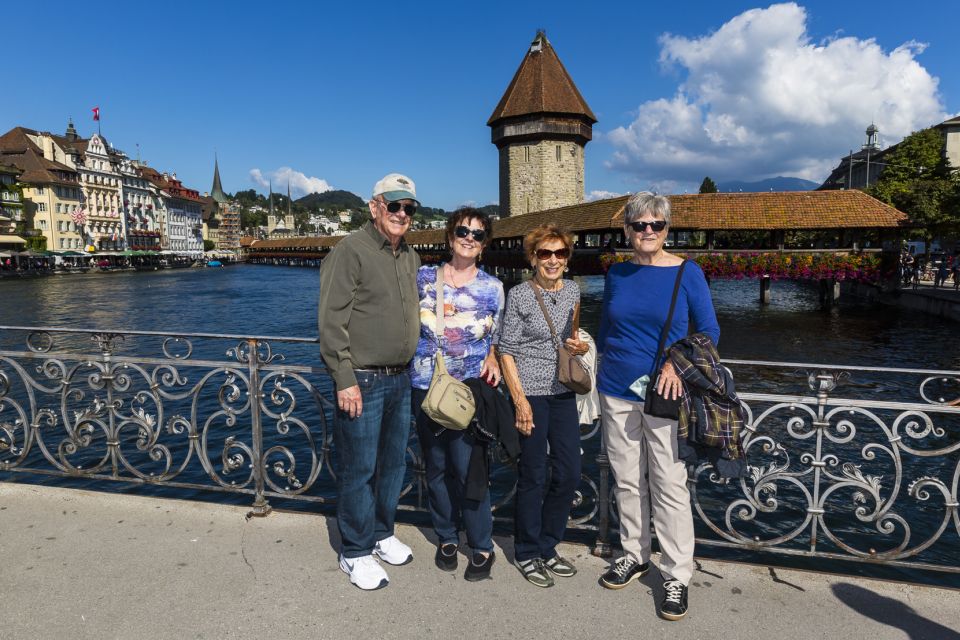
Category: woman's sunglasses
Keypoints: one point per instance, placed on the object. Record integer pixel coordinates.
(478, 234)
(655, 225)
(544, 254)
(409, 209)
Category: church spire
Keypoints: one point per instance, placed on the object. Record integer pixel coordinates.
(288, 198)
(271, 198)
(216, 192)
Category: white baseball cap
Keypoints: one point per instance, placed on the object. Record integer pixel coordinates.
(395, 186)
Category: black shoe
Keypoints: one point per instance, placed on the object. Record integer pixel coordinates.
(446, 557)
(479, 567)
(674, 604)
(625, 571)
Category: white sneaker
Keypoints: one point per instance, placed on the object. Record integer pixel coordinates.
(392, 551)
(365, 572)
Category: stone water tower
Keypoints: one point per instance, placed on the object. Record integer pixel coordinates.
(541, 126)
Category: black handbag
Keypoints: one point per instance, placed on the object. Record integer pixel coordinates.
(655, 404)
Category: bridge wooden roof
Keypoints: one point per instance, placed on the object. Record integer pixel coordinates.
(726, 211)
(770, 211)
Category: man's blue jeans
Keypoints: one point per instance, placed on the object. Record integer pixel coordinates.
(447, 458)
(371, 461)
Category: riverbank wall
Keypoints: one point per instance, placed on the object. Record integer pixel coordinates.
(943, 302)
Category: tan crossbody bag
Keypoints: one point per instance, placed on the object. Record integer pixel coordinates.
(449, 402)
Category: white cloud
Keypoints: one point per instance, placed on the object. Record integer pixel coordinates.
(761, 99)
(300, 183)
(600, 194)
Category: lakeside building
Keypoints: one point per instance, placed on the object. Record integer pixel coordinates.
(11, 206)
(52, 205)
(180, 207)
(141, 218)
(79, 191)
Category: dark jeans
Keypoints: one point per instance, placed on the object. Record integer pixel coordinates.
(371, 461)
(543, 508)
(447, 458)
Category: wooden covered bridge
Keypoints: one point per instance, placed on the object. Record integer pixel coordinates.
(806, 221)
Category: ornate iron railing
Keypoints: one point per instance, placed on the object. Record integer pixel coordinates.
(871, 477)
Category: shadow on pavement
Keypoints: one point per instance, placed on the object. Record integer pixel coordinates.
(892, 613)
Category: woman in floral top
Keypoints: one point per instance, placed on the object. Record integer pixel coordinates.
(472, 306)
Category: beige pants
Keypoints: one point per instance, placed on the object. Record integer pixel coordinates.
(639, 445)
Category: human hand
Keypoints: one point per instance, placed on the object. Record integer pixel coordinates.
(350, 401)
(575, 347)
(491, 371)
(669, 384)
(524, 416)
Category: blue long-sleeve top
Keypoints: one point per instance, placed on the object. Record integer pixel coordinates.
(636, 299)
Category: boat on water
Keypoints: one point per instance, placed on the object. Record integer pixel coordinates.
(214, 263)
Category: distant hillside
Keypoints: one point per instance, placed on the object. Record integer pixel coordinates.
(334, 198)
(780, 183)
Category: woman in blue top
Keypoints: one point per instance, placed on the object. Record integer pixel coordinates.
(472, 308)
(643, 449)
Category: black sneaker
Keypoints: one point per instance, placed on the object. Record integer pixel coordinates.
(446, 557)
(479, 567)
(625, 571)
(674, 604)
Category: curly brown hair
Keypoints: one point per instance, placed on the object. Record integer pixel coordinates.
(546, 233)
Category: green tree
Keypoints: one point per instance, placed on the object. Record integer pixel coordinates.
(708, 186)
(209, 245)
(918, 181)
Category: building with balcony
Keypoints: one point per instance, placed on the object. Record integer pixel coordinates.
(52, 206)
(140, 210)
(11, 204)
(181, 208)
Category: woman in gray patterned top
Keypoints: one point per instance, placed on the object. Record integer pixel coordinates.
(546, 411)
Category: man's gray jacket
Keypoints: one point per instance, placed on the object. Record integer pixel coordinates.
(369, 311)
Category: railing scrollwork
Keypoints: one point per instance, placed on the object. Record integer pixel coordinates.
(852, 463)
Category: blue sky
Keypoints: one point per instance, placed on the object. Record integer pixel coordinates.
(335, 95)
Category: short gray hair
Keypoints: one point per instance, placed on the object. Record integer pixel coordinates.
(646, 201)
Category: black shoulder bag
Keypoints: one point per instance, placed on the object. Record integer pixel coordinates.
(655, 404)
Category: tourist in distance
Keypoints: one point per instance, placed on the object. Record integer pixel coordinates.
(368, 322)
(472, 308)
(643, 449)
(546, 411)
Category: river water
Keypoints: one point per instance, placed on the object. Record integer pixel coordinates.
(282, 301)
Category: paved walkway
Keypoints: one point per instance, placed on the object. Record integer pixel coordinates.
(77, 564)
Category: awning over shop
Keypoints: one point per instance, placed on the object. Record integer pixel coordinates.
(12, 240)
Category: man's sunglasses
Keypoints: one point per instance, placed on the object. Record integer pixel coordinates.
(544, 254)
(394, 207)
(478, 234)
(655, 225)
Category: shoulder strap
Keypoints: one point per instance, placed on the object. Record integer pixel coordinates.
(438, 286)
(543, 307)
(666, 326)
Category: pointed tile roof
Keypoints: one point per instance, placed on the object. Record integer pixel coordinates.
(216, 192)
(541, 85)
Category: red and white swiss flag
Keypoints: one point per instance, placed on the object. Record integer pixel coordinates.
(96, 114)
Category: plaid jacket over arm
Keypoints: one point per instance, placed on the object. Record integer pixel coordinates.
(711, 415)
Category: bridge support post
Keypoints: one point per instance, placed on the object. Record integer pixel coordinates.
(829, 292)
(764, 289)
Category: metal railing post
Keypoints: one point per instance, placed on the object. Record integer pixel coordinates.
(260, 505)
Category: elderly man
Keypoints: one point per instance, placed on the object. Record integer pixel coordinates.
(369, 326)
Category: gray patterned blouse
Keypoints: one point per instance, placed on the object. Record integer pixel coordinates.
(525, 335)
